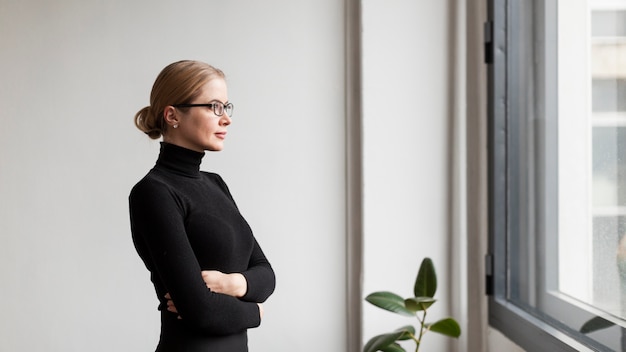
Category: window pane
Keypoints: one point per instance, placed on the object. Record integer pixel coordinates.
(608, 77)
(607, 292)
(566, 166)
(608, 23)
(609, 170)
(588, 278)
(609, 94)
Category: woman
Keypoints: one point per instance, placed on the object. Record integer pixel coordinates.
(209, 273)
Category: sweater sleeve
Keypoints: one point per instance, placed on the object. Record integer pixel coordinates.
(259, 275)
(157, 224)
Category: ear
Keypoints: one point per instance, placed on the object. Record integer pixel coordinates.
(170, 115)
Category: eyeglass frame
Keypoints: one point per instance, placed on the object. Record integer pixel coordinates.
(212, 106)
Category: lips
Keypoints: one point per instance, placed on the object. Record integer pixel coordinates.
(220, 135)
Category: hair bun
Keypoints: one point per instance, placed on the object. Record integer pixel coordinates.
(146, 122)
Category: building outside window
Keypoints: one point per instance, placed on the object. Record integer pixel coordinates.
(608, 121)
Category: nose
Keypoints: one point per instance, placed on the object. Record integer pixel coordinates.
(225, 119)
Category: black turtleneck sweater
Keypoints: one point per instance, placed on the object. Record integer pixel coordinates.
(184, 220)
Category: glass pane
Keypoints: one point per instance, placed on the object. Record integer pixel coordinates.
(567, 166)
(608, 77)
(589, 275)
(608, 23)
(608, 94)
(608, 231)
(609, 169)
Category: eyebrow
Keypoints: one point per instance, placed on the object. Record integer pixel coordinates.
(217, 100)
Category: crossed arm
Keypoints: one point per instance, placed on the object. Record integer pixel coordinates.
(234, 284)
(159, 234)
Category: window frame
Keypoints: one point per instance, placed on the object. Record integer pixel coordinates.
(525, 328)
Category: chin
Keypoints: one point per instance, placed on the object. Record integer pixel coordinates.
(215, 148)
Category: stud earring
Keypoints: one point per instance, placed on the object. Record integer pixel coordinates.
(175, 126)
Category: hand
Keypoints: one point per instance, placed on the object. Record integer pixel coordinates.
(260, 310)
(233, 284)
(170, 305)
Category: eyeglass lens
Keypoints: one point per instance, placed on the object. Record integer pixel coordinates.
(218, 109)
(229, 108)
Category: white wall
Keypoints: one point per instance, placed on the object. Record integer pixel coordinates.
(73, 73)
(406, 123)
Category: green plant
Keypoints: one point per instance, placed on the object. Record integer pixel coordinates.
(424, 290)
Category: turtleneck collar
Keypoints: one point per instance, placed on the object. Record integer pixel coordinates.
(179, 160)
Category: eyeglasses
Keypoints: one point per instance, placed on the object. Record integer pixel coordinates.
(218, 107)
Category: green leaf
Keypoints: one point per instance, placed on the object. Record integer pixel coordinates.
(389, 301)
(595, 324)
(408, 331)
(380, 342)
(394, 347)
(448, 327)
(417, 304)
(426, 282)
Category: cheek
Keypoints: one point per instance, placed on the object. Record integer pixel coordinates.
(210, 126)
(202, 125)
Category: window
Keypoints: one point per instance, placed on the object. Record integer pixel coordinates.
(557, 150)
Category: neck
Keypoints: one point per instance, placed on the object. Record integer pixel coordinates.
(179, 160)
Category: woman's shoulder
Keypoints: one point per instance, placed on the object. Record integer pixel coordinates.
(150, 183)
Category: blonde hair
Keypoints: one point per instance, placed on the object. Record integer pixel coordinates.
(178, 83)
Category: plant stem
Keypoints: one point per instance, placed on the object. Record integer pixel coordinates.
(417, 343)
(422, 322)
